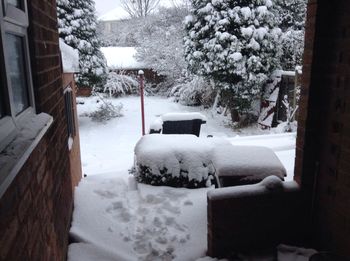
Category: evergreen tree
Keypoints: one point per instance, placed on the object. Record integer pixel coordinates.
(77, 27)
(235, 43)
(291, 18)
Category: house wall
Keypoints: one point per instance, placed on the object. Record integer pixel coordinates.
(323, 143)
(74, 153)
(36, 209)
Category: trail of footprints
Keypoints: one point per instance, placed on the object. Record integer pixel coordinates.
(150, 222)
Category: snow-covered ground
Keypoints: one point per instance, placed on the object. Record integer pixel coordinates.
(113, 220)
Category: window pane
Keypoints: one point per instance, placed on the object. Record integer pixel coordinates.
(16, 3)
(16, 71)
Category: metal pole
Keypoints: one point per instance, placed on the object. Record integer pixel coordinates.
(141, 76)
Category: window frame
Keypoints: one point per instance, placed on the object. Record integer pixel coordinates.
(14, 21)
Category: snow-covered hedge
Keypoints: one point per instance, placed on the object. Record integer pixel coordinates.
(120, 84)
(195, 92)
(175, 160)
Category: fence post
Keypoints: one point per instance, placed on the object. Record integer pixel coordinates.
(141, 78)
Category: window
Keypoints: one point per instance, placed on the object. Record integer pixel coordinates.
(16, 92)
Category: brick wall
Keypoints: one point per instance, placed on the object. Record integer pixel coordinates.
(323, 143)
(36, 209)
(74, 153)
(253, 221)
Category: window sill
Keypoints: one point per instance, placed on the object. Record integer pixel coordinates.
(14, 156)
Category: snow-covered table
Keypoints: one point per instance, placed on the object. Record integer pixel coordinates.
(240, 165)
(186, 160)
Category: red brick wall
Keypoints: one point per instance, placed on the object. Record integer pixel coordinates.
(323, 143)
(252, 222)
(36, 209)
(74, 153)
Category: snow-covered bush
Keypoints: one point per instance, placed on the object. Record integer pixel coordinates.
(77, 27)
(174, 160)
(165, 56)
(291, 19)
(197, 91)
(106, 111)
(235, 43)
(120, 84)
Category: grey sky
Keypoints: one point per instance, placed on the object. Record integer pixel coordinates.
(103, 6)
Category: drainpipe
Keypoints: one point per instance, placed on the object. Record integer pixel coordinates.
(141, 78)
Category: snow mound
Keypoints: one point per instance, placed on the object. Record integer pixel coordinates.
(183, 116)
(290, 253)
(161, 159)
(252, 163)
(70, 58)
(272, 183)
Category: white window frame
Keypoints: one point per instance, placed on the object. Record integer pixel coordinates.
(15, 22)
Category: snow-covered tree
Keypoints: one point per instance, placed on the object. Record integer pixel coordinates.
(161, 43)
(139, 8)
(77, 27)
(291, 18)
(235, 43)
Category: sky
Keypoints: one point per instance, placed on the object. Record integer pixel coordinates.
(104, 6)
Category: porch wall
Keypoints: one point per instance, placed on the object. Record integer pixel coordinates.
(323, 143)
(36, 209)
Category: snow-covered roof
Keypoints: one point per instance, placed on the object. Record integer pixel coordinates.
(70, 58)
(115, 14)
(121, 58)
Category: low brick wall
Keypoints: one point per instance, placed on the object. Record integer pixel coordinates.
(251, 222)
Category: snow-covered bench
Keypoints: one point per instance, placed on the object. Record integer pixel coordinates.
(185, 160)
(241, 165)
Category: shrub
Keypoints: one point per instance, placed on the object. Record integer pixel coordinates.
(120, 84)
(145, 175)
(106, 111)
(195, 92)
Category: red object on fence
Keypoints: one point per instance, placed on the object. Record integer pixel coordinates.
(141, 77)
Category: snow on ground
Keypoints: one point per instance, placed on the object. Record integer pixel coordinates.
(110, 147)
(112, 220)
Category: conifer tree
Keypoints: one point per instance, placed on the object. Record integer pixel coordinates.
(233, 42)
(77, 27)
(291, 19)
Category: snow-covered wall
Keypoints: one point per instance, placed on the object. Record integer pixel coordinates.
(70, 58)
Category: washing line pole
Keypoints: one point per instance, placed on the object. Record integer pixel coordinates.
(141, 78)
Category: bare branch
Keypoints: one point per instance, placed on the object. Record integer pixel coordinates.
(139, 8)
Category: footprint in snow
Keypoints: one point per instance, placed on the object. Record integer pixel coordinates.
(115, 206)
(106, 194)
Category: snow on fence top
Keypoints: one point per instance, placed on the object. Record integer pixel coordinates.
(183, 116)
(115, 14)
(122, 58)
(70, 58)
